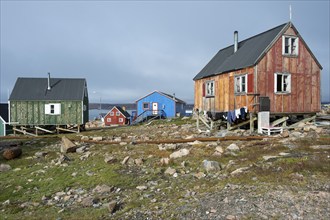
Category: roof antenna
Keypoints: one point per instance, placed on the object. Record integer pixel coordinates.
(290, 15)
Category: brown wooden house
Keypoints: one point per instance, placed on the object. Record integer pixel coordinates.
(117, 116)
(273, 71)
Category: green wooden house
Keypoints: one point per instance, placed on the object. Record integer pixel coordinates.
(45, 102)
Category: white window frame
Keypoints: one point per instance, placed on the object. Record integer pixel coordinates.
(292, 44)
(121, 120)
(209, 88)
(117, 113)
(112, 113)
(108, 119)
(285, 84)
(53, 109)
(240, 84)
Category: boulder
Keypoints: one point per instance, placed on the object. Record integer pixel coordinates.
(4, 167)
(179, 153)
(170, 171)
(233, 147)
(67, 145)
(113, 206)
(219, 149)
(138, 161)
(12, 153)
(270, 158)
(97, 138)
(84, 138)
(167, 147)
(125, 160)
(195, 143)
(40, 154)
(164, 161)
(199, 175)
(81, 150)
(102, 189)
(296, 134)
(110, 159)
(211, 166)
(285, 134)
(89, 201)
(142, 188)
(239, 171)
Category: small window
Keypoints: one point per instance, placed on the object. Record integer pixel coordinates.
(240, 84)
(290, 45)
(209, 87)
(112, 113)
(108, 119)
(121, 120)
(53, 109)
(145, 106)
(117, 113)
(282, 82)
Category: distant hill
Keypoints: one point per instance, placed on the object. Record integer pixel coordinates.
(128, 106)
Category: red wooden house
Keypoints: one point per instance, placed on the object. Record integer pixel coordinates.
(117, 116)
(273, 71)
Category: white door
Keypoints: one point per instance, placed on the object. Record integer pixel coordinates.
(155, 108)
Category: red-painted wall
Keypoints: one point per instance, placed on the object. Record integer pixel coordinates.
(115, 120)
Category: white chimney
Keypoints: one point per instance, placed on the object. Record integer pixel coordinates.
(235, 41)
(48, 88)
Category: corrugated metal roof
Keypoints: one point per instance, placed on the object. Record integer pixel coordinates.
(32, 89)
(248, 53)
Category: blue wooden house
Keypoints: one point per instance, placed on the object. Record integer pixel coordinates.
(160, 104)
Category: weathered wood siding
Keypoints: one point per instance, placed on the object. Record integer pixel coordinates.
(305, 79)
(305, 84)
(225, 98)
(33, 113)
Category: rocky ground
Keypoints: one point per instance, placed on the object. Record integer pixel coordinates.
(120, 173)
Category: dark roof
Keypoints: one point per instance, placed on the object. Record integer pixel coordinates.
(173, 97)
(164, 94)
(36, 89)
(4, 111)
(248, 53)
(125, 113)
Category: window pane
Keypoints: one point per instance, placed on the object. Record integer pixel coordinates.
(287, 45)
(279, 83)
(238, 84)
(52, 109)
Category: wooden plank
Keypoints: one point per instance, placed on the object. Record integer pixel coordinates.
(45, 130)
(24, 132)
(279, 121)
(209, 139)
(241, 124)
(302, 121)
(63, 129)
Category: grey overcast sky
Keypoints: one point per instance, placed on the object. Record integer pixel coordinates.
(126, 49)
